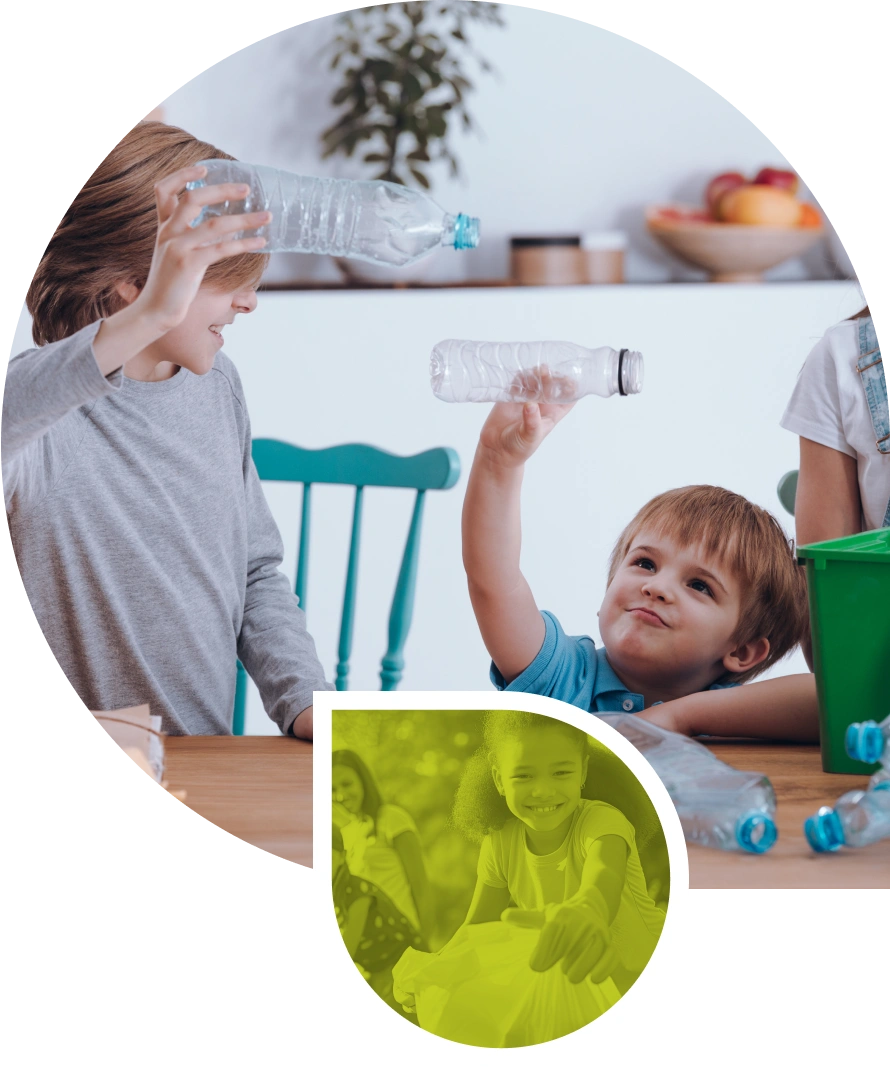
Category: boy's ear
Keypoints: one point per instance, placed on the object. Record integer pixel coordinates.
(746, 656)
(496, 778)
(584, 763)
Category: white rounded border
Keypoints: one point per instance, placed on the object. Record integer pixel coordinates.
(657, 982)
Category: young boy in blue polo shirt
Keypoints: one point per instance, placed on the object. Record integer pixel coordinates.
(703, 594)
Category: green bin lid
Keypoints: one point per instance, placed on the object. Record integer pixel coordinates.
(873, 546)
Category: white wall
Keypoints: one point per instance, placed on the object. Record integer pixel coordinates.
(582, 129)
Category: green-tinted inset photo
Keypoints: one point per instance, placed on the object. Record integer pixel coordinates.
(500, 878)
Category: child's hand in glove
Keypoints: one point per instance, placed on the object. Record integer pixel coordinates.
(576, 932)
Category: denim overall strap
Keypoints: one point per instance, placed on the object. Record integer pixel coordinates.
(871, 374)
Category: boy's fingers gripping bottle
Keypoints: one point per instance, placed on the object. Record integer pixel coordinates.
(549, 372)
(379, 222)
(719, 806)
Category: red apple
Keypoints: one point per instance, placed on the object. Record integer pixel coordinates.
(781, 179)
(719, 186)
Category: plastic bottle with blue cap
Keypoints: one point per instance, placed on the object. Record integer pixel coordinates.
(869, 742)
(862, 816)
(375, 221)
(719, 806)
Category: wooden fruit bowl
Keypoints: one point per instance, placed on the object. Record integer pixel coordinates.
(730, 252)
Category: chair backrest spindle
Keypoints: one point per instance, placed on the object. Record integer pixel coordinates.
(347, 620)
(303, 550)
(393, 662)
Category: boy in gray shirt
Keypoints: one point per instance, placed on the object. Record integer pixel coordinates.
(145, 543)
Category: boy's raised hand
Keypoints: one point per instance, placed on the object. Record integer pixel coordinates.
(513, 432)
(182, 252)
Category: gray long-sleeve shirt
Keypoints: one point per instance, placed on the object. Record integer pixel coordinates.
(144, 540)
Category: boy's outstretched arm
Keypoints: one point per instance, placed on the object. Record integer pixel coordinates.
(777, 709)
(505, 609)
(49, 383)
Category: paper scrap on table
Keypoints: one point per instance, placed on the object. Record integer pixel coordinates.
(128, 730)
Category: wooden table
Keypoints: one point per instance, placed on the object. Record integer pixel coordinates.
(257, 788)
(260, 789)
(801, 788)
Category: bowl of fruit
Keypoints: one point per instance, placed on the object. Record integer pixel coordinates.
(744, 228)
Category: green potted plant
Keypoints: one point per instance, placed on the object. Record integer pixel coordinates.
(403, 87)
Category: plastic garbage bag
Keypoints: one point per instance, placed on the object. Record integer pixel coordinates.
(480, 990)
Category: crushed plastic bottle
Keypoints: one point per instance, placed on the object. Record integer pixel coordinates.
(869, 741)
(861, 817)
(719, 806)
(551, 372)
(375, 221)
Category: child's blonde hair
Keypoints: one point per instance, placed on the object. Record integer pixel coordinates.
(747, 539)
(107, 235)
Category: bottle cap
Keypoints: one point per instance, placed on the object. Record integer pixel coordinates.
(604, 241)
(865, 741)
(630, 372)
(466, 232)
(756, 832)
(824, 831)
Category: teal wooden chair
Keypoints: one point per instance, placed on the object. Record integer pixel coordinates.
(787, 490)
(360, 466)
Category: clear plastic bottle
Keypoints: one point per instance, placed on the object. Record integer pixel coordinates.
(553, 372)
(379, 222)
(859, 818)
(719, 806)
(880, 778)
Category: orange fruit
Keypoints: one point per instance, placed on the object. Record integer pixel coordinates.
(760, 205)
(809, 216)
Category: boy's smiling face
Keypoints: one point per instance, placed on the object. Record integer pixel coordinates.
(668, 618)
(193, 344)
(540, 774)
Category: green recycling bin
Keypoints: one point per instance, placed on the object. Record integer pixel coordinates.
(849, 589)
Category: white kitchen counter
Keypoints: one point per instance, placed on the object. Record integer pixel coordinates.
(323, 368)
